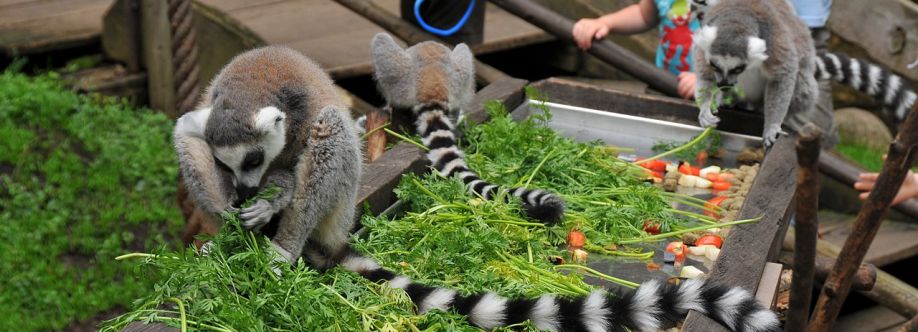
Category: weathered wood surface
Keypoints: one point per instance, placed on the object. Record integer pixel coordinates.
(888, 290)
(156, 52)
(895, 241)
(336, 37)
(865, 278)
(744, 253)
(873, 319)
(806, 226)
(891, 38)
(32, 26)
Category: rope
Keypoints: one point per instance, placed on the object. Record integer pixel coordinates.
(184, 55)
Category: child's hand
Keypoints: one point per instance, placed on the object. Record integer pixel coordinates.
(908, 190)
(588, 29)
(687, 85)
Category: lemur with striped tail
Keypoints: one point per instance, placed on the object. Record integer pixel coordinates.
(767, 51)
(435, 83)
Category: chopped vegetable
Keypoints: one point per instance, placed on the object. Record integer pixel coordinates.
(721, 185)
(708, 170)
(701, 158)
(678, 249)
(698, 250)
(725, 176)
(710, 239)
(690, 272)
(712, 204)
(579, 256)
(687, 180)
(712, 253)
(651, 227)
(576, 239)
(702, 183)
(653, 165)
(688, 169)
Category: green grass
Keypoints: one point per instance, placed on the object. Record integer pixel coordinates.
(870, 158)
(82, 180)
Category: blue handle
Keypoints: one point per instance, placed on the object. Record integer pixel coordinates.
(442, 32)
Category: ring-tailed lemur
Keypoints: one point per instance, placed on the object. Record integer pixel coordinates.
(765, 49)
(435, 83)
(272, 117)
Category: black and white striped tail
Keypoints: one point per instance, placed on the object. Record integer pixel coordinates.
(891, 90)
(436, 132)
(651, 307)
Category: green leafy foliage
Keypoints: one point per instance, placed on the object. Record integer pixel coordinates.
(82, 180)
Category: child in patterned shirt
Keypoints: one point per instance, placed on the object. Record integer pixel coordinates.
(674, 19)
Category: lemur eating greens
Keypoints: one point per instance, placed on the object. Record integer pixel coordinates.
(767, 51)
(434, 81)
(272, 117)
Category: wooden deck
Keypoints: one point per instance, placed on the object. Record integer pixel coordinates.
(339, 39)
(30, 26)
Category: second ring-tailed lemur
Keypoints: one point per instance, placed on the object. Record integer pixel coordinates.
(435, 83)
(767, 51)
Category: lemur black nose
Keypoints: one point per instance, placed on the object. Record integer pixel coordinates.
(244, 193)
(724, 84)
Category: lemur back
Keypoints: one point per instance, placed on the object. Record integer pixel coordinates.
(436, 83)
(272, 117)
(764, 46)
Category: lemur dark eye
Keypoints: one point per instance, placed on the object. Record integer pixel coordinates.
(715, 66)
(252, 160)
(738, 69)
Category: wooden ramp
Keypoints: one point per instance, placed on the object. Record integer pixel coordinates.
(339, 39)
(30, 26)
(895, 241)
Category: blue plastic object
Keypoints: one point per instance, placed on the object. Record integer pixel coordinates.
(437, 31)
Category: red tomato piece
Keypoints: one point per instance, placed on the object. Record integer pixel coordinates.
(651, 227)
(721, 185)
(710, 239)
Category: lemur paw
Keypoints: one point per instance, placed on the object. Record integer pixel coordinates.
(256, 215)
(708, 119)
(770, 135)
(281, 257)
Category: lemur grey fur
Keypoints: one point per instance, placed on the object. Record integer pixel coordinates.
(435, 83)
(272, 117)
(425, 75)
(765, 49)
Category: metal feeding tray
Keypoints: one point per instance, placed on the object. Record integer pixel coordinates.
(640, 134)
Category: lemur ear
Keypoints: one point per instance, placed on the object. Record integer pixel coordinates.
(389, 59)
(704, 37)
(192, 123)
(269, 119)
(462, 58)
(755, 50)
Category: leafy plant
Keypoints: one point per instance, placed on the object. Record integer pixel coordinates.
(82, 180)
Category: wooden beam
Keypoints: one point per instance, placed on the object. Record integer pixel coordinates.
(604, 49)
(413, 35)
(864, 281)
(807, 227)
(156, 48)
(899, 159)
(742, 261)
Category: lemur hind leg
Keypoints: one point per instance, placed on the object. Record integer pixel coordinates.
(328, 174)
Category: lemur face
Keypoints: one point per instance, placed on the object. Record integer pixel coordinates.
(723, 59)
(247, 161)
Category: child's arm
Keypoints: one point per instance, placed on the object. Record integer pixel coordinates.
(908, 190)
(636, 18)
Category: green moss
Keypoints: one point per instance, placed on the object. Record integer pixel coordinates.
(84, 179)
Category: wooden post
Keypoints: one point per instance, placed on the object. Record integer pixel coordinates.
(807, 227)
(376, 140)
(604, 49)
(899, 160)
(412, 35)
(156, 46)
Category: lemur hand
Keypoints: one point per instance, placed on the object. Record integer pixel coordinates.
(770, 135)
(256, 215)
(588, 29)
(706, 117)
(281, 256)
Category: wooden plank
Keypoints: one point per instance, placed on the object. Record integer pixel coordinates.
(767, 289)
(741, 262)
(156, 47)
(39, 26)
(895, 240)
(876, 318)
